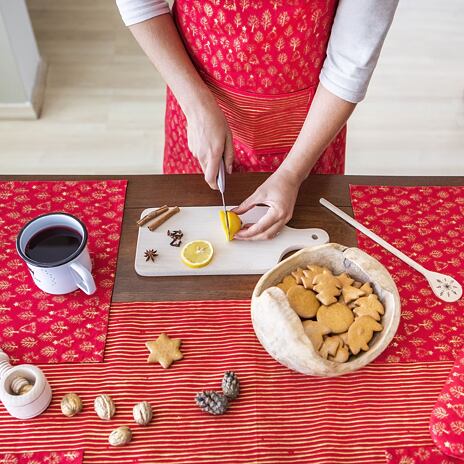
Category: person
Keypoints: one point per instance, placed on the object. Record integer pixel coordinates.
(267, 84)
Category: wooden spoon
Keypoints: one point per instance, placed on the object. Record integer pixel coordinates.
(445, 287)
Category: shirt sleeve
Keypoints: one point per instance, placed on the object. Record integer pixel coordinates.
(136, 11)
(357, 36)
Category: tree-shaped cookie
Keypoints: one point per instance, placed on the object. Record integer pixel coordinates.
(327, 286)
(309, 274)
(369, 306)
(361, 332)
(350, 293)
(366, 288)
(345, 279)
(298, 274)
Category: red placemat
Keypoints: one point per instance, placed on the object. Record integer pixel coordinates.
(418, 455)
(280, 416)
(43, 457)
(426, 223)
(36, 327)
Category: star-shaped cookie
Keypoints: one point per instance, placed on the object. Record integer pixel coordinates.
(164, 350)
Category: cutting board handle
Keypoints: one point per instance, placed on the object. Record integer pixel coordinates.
(302, 238)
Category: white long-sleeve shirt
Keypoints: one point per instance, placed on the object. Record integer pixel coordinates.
(357, 36)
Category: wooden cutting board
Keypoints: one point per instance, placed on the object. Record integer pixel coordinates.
(234, 257)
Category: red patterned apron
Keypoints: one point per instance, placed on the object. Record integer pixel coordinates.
(261, 59)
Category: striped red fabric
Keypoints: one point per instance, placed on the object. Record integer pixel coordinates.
(280, 416)
(263, 123)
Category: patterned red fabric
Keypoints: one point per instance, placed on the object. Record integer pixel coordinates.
(447, 420)
(36, 327)
(262, 62)
(43, 457)
(418, 455)
(426, 224)
(280, 416)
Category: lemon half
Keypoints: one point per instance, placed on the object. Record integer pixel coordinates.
(197, 254)
(235, 224)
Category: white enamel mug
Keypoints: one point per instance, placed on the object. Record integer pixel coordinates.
(67, 275)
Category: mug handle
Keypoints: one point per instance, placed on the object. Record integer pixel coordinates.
(83, 277)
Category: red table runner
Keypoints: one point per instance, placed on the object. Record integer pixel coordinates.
(280, 416)
(426, 223)
(39, 328)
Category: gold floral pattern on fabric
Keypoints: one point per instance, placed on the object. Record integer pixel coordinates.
(426, 224)
(264, 46)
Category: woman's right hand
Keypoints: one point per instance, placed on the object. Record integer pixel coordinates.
(209, 138)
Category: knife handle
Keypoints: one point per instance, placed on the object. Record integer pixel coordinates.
(221, 178)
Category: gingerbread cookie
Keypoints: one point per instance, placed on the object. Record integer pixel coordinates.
(287, 283)
(329, 346)
(309, 275)
(327, 287)
(345, 279)
(315, 332)
(164, 350)
(303, 301)
(338, 317)
(366, 288)
(341, 355)
(369, 306)
(298, 275)
(361, 332)
(351, 293)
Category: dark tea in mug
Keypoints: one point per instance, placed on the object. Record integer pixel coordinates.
(53, 244)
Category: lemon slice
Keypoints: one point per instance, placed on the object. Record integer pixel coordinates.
(197, 253)
(235, 224)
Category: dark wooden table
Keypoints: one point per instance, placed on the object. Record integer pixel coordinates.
(191, 190)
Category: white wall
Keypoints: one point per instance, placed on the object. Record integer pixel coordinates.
(19, 56)
(412, 121)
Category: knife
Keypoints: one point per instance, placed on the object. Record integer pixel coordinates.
(221, 182)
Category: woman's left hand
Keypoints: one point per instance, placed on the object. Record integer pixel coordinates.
(279, 192)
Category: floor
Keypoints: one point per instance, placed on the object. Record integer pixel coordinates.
(104, 103)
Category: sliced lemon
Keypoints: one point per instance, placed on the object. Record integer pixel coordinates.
(197, 253)
(235, 224)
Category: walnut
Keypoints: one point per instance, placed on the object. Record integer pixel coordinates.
(142, 412)
(120, 436)
(104, 407)
(25, 389)
(21, 386)
(71, 405)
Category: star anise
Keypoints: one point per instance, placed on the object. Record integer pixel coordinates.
(150, 255)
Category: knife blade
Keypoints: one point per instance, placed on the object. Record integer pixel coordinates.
(221, 182)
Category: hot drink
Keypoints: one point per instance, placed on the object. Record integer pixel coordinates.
(53, 244)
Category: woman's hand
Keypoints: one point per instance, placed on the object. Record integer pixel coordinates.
(279, 192)
(209, 138)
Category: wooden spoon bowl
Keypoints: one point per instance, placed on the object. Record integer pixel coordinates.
(280, 330)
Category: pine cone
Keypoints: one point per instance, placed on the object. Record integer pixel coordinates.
(212, 402)
(230, 385)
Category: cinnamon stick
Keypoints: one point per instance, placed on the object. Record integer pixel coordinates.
(148, 217)
(163, 218)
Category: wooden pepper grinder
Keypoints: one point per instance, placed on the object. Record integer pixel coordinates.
(24, 390)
